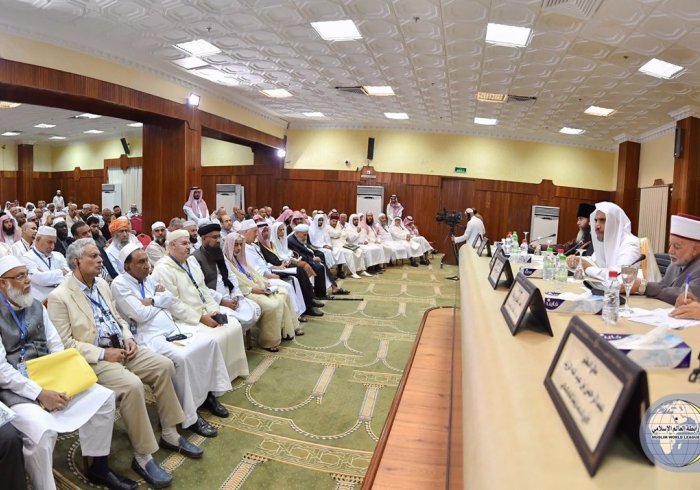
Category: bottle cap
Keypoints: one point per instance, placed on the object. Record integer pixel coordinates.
(561, 251)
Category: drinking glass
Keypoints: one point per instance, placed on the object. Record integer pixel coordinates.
(579, 273)
(629, 275)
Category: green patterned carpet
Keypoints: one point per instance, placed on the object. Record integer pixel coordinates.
(309, 416)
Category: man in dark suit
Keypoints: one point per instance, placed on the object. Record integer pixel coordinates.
(297, 242)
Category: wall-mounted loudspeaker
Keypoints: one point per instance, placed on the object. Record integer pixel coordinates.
(370, 148)
(125, 145)
(678, 146)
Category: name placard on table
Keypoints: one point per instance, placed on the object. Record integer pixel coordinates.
(499, 266)
(484, 244)
(522, 297)
(595, 390)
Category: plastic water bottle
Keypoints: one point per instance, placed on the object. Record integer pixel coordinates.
(548, 266)
(611, 299)
(523, 251)
(538, 249)
(506, 244)
(562, 272)
(515, 244)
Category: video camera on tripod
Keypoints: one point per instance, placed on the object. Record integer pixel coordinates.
(450, 218)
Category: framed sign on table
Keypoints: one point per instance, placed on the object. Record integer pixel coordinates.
(596, 389)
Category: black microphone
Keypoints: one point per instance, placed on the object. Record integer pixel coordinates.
(641, 257)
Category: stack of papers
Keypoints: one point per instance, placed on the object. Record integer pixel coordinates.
(660, 318)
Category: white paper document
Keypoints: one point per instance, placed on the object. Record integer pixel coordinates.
(660, 318)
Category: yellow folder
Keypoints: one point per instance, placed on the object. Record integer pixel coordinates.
(65, 372)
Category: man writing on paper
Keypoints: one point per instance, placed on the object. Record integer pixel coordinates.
(614, 245)
(200, 371)
(27, 333)
(684, 249)
(85, 317)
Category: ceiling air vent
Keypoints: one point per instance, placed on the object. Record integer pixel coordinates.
(352, 90)
(581, 9)
(521, 98)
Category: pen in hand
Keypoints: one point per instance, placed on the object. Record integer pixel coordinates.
(687, 283)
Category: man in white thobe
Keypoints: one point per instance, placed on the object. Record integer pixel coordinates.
(47, 268)
(200, 371)
(321, 241)
(255, 259)
(156, 249)
(181, 274)
(58, 199)
(121, 236)
(23, 246)
(475, 227)
(196, 208)
(26, 333)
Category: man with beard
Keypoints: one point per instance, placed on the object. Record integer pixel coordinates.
(221, 282)
(156, 249)
(58, 199)
(20, 217)
(107, 215)
(94, 224)
(117, 210)
(583, 237)
(27, 239)
(343, 219)
(195, 208)
(182, 276)
(26, 333)
(10, 232)
(191, 228)
(199, 366)
(47, 268)
(73, 216)
(226, 225)
(62, 238)
(83, 311)
(324, 278)
(120, 237)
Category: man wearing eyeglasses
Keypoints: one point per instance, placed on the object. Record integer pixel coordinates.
(26, 333)
(47, 268)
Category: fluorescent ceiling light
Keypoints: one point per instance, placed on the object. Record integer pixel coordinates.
(396, 115)
(599, 111)
(314, 114)
(505, 35)
(190, 62)
(11, 133)
(216, 76)
(57, 137)
(337, 30)
(135, 125)
(93, 131)
(193, 100)
(198, 47)
(488, 97)
(485, 121)
(566, 130)
(379, 91)
(277, 93)
(661, 69)
(8, 105)
(45, 126)
(87, 115)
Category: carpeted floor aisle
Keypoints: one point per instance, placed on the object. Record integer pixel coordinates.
(309, 416)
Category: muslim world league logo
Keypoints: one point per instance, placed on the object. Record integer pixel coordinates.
(670, 433)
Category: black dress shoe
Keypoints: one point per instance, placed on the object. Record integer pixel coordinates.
(341, 291)
(185, 447)
(203, 428)
(303, 319)
(215, 407)
(313, 312)
(111, 480)
(317, 304)
(153, 473)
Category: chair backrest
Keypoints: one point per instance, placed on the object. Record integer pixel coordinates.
(649, 265)
(144, 239)
(137, 224)
(664, 260)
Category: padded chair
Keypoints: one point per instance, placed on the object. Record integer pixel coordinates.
(664, 260)
(144, 239)
(137, 224)
(648, 265)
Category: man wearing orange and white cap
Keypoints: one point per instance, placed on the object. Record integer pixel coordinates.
(121, 235)
(684, 249)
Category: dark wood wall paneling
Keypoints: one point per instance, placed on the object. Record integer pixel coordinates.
(685, 197)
